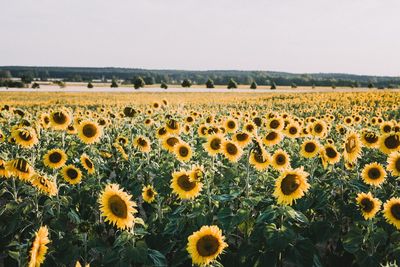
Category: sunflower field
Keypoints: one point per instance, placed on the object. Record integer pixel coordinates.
(212, 179)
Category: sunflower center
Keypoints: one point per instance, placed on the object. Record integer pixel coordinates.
(183, 151)
(395, 210)
(89, 130)
(172, 141)
(274, 124)
(231, 125)
(330, 152)
(118, 206)
(88, 163)
(350, 145)
(293, 130)
(290, 184)
(250, 128)
(207, 246)
(149, 193)
(374, 173)
(318, 128)
(215, 144)
(185, 184)
(371, 138)
(310, 147)
(142, 142)
(24, 135)
(257, 121)
(72, 174)
(387, 128)
(46, 120)
(392, 141)
(162, 131)
(55, 157)
(366, 204)
(280, 159)
(397, 164)
(259, 158)
(241, 137)
(59, 117)
(271, 136)
(231, 149)
(22, 166)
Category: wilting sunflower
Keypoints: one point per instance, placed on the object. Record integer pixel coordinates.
(142, 143)
(291, 185)
(352, 147)
(260, 159)
(117, 207)
(173, 127)
(370, 139)
(280, 160)
(213, 144)
(196, 173)
(89, 132)
(183, 187)
(183, 152)
(272, 138)
(87, 163)
(369, 205)
(71, 174)
(55, 158)
(4, 172)
(329, 154)
(310, 148)
(393, 162)
(59, 120)
(373, 174)
(205, 245)
(391, 211)
(25, 137)
(44, 120)
(44, 184)
(20, 168)
(241, 138)
(231, 150)
(39, 247)
(389, 143)
(149, 194)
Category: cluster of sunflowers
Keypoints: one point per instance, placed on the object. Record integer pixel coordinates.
(251, 181)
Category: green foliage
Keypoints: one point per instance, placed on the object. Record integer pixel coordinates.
(210, 84)
(253, 85)
(90, 85)
(164, 85)
(138, 82)
(186, 83)
(232, 84)
(273, 86)
(35, 85)
(114, 84)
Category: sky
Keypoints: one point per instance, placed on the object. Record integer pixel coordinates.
(301, 36)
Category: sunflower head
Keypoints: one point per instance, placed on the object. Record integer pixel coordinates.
(71, 174)
(55, 158)
(394, 163)
(391, 212)
(44, 184)
(89, 132)
(373, 174)
(352, 147)
(20, 168)
(183, 151)
(272, 138)
(231, 150)
(59, 120)
(149, 194)
(142, 143)
(182, 185)
(290, 186)
(368, 205)
(25, 137)
(39, 247)
(280, 160)
(213, 144)
(389, 143)
(309, 148)
(87, 163)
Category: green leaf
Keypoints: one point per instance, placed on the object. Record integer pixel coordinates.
(157, 258)
(278, 239)
(352, 241)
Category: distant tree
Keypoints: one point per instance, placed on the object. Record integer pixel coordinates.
(371, 85)
(186, 83)
(253, 85)
(44, 75)
(164, 85)
(313, 86)
(114, 84)
(357, 84)
(333, 86)
(35, 85)
(149, 80)
(90, 85)
(27, 77)
(138, 83)
(273, 86)
(5, 74)
(294, 85)
(232, 84)
(60, 83)
(210, 83)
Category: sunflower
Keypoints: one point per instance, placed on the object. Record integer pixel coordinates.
(87, 163)
(272, 138)
(280, 160)
(275, 124)
(149, 194)
(373, 174)
(89, 132)
(319, 129)
(59, 120)
(44, 120)
(231, 150)
(386, 127)
(369, 205)
(142, 143)
(183, 187)
(44, 184)
(55, 158)
(121, 150)
(39, 247)
(196, 173)
(250, 128)
(329, 154)
(391, 211)
(309, 148)
(213, 144)
(242, 139)
(205, 245)
(352, 147)
(370, 139)
(169, 142)
(182, 151)
(292, 130)
(260, 159)
(231, 125)
(122, 140)
(117, 207)
(25, 137)
(20, 168)
(172, 126)
(71, 174)
(291, 185)
(71, 129)
(393, 162)
(389, 143)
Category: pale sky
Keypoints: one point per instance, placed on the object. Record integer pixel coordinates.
(346, 36)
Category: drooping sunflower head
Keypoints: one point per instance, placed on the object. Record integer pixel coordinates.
(310, 148)
(4, 172)
(173, 126)
(352, 147)
(280, 160)
(205, 245)
(213, 144)
(39, 247)
(183, 186)
(55, 158)
(89, 132)
(71, 174)
(117, 207)
(45, 120)
(242, 139)
(330, 154)
(290, 186)
(391, 212)
(149, 194)
(231, 150)
(183, 152)
(369, 205)
(142, 143)
(373, 174)
(196, 173)
(44, 184)
(20, 168)
(260, 159)
(26, 137)
(60, 119)
(389, 143)
(394, 163)
(87, 164)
